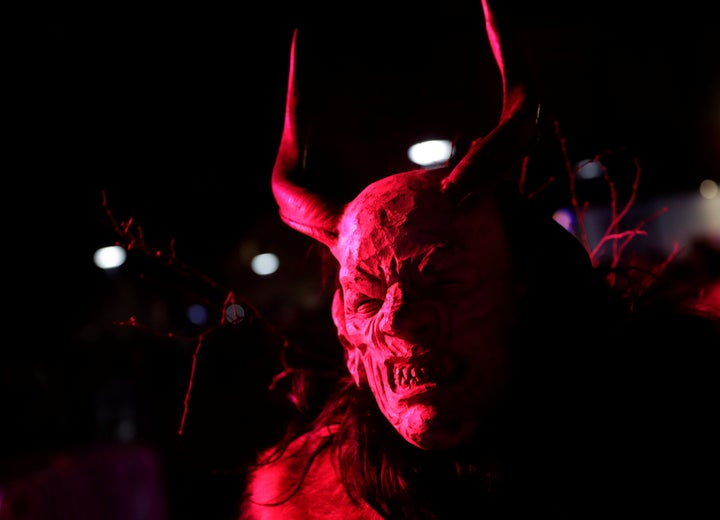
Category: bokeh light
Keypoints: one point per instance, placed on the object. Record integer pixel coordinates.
(431, 153)
(565, 217)
(589, 169)
(709, 189)
(264, 264)
(110, 257)
(197, 314)
(234, 314)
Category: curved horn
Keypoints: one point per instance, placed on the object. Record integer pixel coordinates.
(300, 208)
(496, 154)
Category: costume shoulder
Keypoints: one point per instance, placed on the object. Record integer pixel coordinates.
(303, 483)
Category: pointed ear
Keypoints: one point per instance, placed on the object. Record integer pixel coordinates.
(353, 356)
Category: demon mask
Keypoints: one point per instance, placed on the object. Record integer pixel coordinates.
(426, 294)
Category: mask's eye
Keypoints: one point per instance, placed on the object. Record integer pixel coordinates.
(364, 293)
(366, 306)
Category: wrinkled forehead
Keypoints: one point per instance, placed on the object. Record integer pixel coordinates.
(407, 215)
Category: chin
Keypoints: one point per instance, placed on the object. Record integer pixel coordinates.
(425, 429)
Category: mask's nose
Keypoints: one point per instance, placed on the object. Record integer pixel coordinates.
(410, 315)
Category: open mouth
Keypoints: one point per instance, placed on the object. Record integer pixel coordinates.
(405, 375)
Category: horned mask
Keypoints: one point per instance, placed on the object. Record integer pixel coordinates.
(425, 296)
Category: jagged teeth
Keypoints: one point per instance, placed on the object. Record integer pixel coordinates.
(409, 376)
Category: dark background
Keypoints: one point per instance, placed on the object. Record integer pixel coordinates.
(174, 113)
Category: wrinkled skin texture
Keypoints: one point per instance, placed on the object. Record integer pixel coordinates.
(425, 306)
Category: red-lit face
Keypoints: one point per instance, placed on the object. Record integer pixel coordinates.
(425, 306)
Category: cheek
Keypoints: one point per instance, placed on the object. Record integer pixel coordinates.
(361, 332)
(356, 337)
(370, 344)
